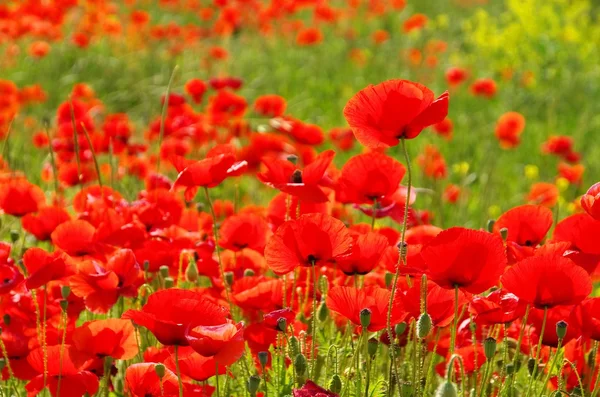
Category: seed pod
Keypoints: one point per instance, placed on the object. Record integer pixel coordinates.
(446, 389)
(335, 384)
(372, 346)
(365, 318)
(400, 328)
(169, 283)
(561, 329)
(504, 233)
(229, 278)
(252, 384)
(323, 284)
(164, 271)
(191, 273)
(294, 347)
(14, 236)
(65, 291)
(423, 325)
(160, 370)
(322, 312)
(490, 225)
(2, 364)
(489, 347)
(282, 324)
(300, 364)
(263, 358)
(64, 305)
(292, 158)
(146, 265)
(249, 273)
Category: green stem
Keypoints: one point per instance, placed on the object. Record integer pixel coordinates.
(549, 373)
(537, 351)
(217, 377)
(519, 341)
(163, 117)
(179, 371)
(314, 322)
(455, 321)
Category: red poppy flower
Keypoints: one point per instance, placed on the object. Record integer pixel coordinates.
(572, 173)
(43, 267)
(499, 307)
(444, 128)
(101, 285)
(587, 316)
(509, 128)
(527, 224)
(74, 382)
(550, 281)
(309, 36)
(580, 231)
(342, 138)
(414, 22)
(367, 250)
(561, 146)
(350, 301)
(243, 231)
(112, 337)
(141, 380)
(432, 162)
(44, 222)
(19, 197)
(196, 89)
(305, 184)
(257, 293)
(272, 319)
(195, 366)
(590, 201)
(225, 342)
(17, 348)
(311, 240)
(554, 315)
(76, 238)
(456, 75)
(484, 87)
(10, 277)
(285, 207)
(471, 260)
(170, 312)
(227, 104)
(370, 177)
(543, 193)
(270, 105)
(311, 389)
(381, 115)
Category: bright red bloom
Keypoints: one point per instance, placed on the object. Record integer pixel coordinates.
(509, 128)
(43, 267)
(309, 36)
(241, 231)
(44, 222)
(170, 312)
(195, 366)
(226, 104)
(224, 342)
(547, 281)
(141, 380)
(527, 224)
(590, 201)
(350, 301)
(76, 238)
(311, 240)
(577, 234)
(284, 207)
(572, 173)
(367, 250)
(587, 316)
(19, 197)
(414, 22)
(196, 89)
(471, 260)
(562, 146)
(272, 319)
(432, 162)
(311, 389)
(484, 87)
(499, 307)
(543, 193)
(370, 177)
(444, 128)
(270, 105)
(456, 75)
(257, 293)
(305, 184)
(112, 337)
(383, 114)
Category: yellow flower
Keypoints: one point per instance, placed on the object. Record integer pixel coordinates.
(562, 184)
(494, 211)
(532, 172)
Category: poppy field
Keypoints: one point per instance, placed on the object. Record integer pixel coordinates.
(304, 198)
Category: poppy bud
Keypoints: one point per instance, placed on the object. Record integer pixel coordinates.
(252, 384)
(169, 282)
(294, 346)
(65, 291)
(323, 312)
(300, 364)
(504, 233)
(489, 347)
(6, 319)
(160, 370)
(64, 304)
(446, 389)
(389, 279)
(292, 158)
(531, 366)
(282, 324)
(403, 249)
(323, 284)
(191, 273)
(510, 369)
(365, 318)
(372, 346)
(146, 265)
(561, 329)
(490, 225)
(248, 273)
(400, 328)
(335, 384)
(14, 236)
(423, 325)
(263, 358)
(229, 278)
(164, 271)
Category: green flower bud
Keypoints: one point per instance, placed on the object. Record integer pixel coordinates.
(400, 328)
(191, 273)
(292, 158)
(164, 271)
(372, 346)
(490, 225)
(282, 324)
(293, 347)
(65, 291)
(160, 370)
(229, 278)
(64, 305)
(252, 384)
(322, 312)
(510, 369)
(424, 325)
(323, 284)
(263, 358)
(249, 273)
(300, 364)
(489, 347)
(504, 233)
(531, 366)
(14, 236)
(365, 318)
(169, 283)
(561, 329)
(446, 389)
(335, 384)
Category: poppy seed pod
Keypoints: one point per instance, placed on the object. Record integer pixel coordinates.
(64, 304)
(263, 358)
(164, 271)
(490, 225)
(282, 324)
(169, 283)
(423, 325)
(489, 347)
(14, 236)
(294, 347)
(191, 273)
(504, 233)
(446, 389)
(292, 158)
(372, 346)
(252, 384)
(300, 364)
(323, 312)
(561, 329)
(160, 370)
(335, 384)
(249, 273)
(365, 318)
(65, 291)
(229, 278)
(400, 328)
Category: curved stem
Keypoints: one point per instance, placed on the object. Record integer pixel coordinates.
(401, 259)
(549, 373)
